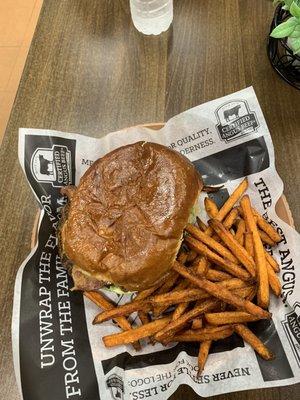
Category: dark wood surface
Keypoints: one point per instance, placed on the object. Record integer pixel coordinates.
(90, 71)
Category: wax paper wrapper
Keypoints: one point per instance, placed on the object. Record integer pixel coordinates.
(59, 354)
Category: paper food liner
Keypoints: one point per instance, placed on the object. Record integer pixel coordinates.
(59, 354)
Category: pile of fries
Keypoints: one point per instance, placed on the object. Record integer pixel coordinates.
(220, 281)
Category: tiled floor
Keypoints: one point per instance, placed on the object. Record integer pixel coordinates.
(18, 20)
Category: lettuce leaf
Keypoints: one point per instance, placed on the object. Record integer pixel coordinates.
(115, 289)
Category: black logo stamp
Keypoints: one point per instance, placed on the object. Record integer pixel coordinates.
(235, 120)
(52, 165)
(116, 386)
(291, 325)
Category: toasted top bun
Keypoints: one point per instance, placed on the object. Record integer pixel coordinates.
(125, 220)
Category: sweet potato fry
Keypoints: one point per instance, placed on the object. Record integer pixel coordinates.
(191, 255)
(210, 207)
(232, 283)
(227, 265)
(239, 236)
(231, 218)
(202, 355)
(230, 202)
(196, 261)
(242, 240)
(181, 307)
(263, 296)
(135, 334)
(98, 299)
(179, 310)
(266, 227)
(169, 283)
(178, 324)
(210, 242)
(230, 241)
(202, 267)
(272, 261)
(249, 243)
(217, 276)
(182, 257)
(222, 293)
(207, 329)
(144, 294)
(125, 309)
(274, 281)
(157, 310)
(201, 224)
(247, 292)
(252, 293)
(197, 323)
(229, 317)
(236, 285)
(254, 341)
(183, 284)
(145, 319)
(202, 336)
(179, 296)
(265, 238)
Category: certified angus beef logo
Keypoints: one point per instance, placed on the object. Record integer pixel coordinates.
(235, 120)
(115, 384)
(291, 326)
(52, 165)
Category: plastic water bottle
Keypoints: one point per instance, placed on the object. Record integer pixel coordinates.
(151, 17)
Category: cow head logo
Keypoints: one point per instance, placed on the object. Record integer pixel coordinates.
(291, 325)
(52, 165)
(235, 120)
(115, 384)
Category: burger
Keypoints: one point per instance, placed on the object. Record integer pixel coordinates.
(123, 224)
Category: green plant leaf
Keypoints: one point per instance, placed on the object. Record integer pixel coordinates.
(295, 45)
(285, 28)
(295, 9)
(287, 4)
(296, 32)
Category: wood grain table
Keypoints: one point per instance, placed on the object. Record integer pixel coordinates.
(90, 71)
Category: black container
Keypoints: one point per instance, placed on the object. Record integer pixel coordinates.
(281, 55)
